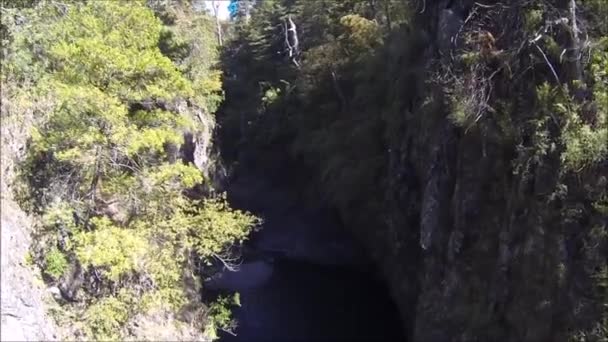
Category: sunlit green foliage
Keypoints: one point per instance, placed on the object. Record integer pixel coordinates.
(584, 142)
(101, 171)
(105, 318)
(55, 263)
(188, 39)
(120, 251)
(360, 33)
(220, 315)
(112, 46)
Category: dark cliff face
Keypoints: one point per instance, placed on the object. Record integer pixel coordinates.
(497, 254)
(457, 163)
(495, 261)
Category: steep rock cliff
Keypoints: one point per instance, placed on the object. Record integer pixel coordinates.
(511, 243)
(463, 142)
(24, 295)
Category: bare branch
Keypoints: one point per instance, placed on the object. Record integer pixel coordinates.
(548, 63)
(291, 40)
(423, 6)
(228, 331)
(292, 28)
(229, 263)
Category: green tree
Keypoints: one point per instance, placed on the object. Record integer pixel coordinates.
(100, 168)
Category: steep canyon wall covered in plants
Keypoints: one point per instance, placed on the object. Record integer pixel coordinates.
(464, 142)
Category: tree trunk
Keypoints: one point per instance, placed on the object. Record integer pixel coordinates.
(218, 24)
(575, 48)
(291, 40)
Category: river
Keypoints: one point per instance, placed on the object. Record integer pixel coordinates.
(303, 278)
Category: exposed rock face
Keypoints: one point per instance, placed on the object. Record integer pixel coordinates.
(198, 143)
(71, 282)
(472, 249)
(198, 147)
(23, 294)
(495, 267)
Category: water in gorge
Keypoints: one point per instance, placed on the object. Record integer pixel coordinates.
(303, 278)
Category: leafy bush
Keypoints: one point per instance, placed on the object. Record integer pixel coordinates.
(55, 263)
(105, 318)
(119, 250)
(584, 143)
(220, 316)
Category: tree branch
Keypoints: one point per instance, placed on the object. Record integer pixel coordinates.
(228, 263)
(291, 40)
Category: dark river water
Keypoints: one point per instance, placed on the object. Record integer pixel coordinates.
(308, 280)
(307, 302)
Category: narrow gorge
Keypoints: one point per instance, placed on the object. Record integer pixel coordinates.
(296, 170)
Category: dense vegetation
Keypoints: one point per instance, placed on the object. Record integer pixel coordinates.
(113, 88)
(466, 143)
